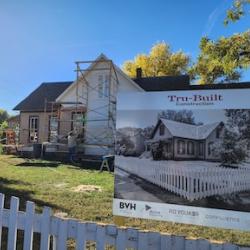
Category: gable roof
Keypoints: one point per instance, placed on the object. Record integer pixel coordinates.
(101, 58)
(161, 83)
(188, 131)
(48, 91)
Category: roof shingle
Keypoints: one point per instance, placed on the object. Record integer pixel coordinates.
(189, 131)
(48, 91)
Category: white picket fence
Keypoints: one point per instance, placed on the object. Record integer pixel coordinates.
(190, 183)
(88, 235)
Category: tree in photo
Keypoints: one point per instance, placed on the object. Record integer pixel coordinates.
(147, 132)
(236, 140)
(161, 61)
(185, 116)
(222, 60)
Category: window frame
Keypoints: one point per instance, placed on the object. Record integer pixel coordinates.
(209, 150)
(181, 147)
(35, 130)
(72, 119)
(57, 131)
(201, 148)
(103, 85)
(190, 151)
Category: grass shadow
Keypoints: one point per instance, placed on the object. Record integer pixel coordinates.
(22, 194)
(38, 164)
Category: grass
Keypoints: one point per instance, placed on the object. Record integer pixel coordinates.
(52, 184)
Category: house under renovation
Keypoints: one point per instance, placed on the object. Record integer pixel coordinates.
(178, 141)
(86, 106)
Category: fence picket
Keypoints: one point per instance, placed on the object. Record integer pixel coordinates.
(80, 236)
(62, 235)
(28, 230)
(143, 241)
(178, 243)
(121, 239)
(1, 215)
(166, 242)
(191, 245)
(45, 228)
(12, 232)
(154, 240)
(100, 237)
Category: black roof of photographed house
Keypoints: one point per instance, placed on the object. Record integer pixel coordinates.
(48, 91)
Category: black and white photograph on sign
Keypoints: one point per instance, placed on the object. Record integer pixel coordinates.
(187, 157)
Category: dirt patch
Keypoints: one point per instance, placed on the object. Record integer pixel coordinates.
(61, 215)
(60, 185)
(87, 188)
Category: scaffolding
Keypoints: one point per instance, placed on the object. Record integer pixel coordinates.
(92, 109)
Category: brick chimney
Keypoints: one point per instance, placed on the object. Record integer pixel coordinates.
(138, 72)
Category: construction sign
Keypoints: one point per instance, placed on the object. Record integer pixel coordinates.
(184, 156)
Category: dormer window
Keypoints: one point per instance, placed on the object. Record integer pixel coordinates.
(162, 129)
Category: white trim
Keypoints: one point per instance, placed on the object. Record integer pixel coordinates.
(98, 59)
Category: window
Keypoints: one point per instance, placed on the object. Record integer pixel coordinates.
(210, 148)
(53, 128)
(218, 132)
(201, 148)
(190, 148)
(77, 121)
(162, 129)
(33, 128)
(103, 86)
(181, 147)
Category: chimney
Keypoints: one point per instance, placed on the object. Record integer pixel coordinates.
(138, 72)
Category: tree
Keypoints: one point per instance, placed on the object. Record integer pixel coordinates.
(237, 11)
(185, 116)
(220, 61)
(236, 138)
(161, 61)
(3, 115)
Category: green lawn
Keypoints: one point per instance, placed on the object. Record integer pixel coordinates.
(54, 186)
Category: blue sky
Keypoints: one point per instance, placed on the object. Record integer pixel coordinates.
(40, 40)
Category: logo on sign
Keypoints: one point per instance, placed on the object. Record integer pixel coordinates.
(127, 205)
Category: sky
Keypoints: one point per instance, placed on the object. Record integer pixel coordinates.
(41, 40)
(146, 118)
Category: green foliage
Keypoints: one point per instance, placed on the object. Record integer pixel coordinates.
(237, 11)
(3, 126)
(161, 61)
(3, 115)
(221, 60)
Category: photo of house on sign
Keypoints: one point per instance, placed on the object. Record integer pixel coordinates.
(192, 157)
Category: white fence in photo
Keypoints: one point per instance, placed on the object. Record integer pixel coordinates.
(190, 183)
(56, 231)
